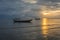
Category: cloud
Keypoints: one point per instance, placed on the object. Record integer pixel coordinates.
(49, 0)
(21, 7)
(53, 0)
(30, 1)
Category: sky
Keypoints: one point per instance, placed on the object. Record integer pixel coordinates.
(29, 8)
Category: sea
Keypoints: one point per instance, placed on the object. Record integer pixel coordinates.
(43, 29)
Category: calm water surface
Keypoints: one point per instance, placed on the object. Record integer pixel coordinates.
(44, 29)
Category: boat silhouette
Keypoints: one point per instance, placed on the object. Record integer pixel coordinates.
(37, 18)
(22, 20)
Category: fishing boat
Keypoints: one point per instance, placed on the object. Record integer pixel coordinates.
(22, 20)
(37, 18)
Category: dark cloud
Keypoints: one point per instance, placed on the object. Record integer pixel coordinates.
(53, 0)
(18, 7)
(10, 7)
(49, 0)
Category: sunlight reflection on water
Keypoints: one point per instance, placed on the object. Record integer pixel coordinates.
(50, 29)
(44, 28)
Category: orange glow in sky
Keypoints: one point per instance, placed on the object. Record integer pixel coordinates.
(48, 11)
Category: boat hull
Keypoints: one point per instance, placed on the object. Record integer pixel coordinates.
(22, 20)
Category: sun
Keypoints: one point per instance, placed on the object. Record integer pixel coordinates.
(45, 13)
